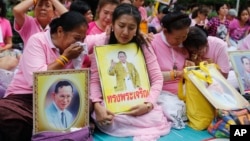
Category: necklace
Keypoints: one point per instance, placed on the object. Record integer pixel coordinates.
(172, 51)
(173, 59)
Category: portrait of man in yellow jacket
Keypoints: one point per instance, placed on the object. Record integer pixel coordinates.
(127, 77)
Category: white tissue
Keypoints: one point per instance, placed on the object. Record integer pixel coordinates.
(77, 62)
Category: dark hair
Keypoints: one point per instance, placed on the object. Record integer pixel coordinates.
(242, 8)
(193, 5)
(218, 6)
(122, 52)
(162, 8)
(201, 9)
(175, 21)
(128, 9)
(102, 3)
(68, 21)
(242, 59)
(179, 7)
(60, 84)
(3, 11)
(196, 38)
(79, 6)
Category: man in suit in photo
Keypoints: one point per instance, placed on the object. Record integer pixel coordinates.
(127, 77)
(245, 76)
(57, 114)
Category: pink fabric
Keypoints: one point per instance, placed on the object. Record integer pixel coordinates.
(6, 29)
(153, 123)
(93, 29)
(155, 23)
(143, 12)
(30, 27)
(237, 32)
(217, 51)
(149, 126)
(165, 55)
(91, 41)
(245, 44)
(39, 53)
(193, 22)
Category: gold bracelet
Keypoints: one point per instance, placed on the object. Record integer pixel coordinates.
(64, 61)
(172, 74)
(60, 62)
(65, 58)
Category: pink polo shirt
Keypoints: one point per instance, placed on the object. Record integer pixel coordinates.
(30, 27)
(6, 30)
(217, 51)
(166, 57)
(91, 40)
(93, 29)
(39, 53)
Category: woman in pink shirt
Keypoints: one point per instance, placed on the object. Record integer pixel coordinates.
(104, 13)
(5, 29)
(45, 11)
(238, 28)
(211, 49)
(143, 11)
(8, 56)
(144, 121)
(45, 51)
(171, 57)
(155, 23)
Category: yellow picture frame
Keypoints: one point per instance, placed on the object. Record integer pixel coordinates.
(236, 58)
(45, 83)
(118, 97)
(226, 97)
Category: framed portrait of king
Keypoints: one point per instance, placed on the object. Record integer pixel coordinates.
(123, 76)
(216, 89)
(241, 64)
(60, 101)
